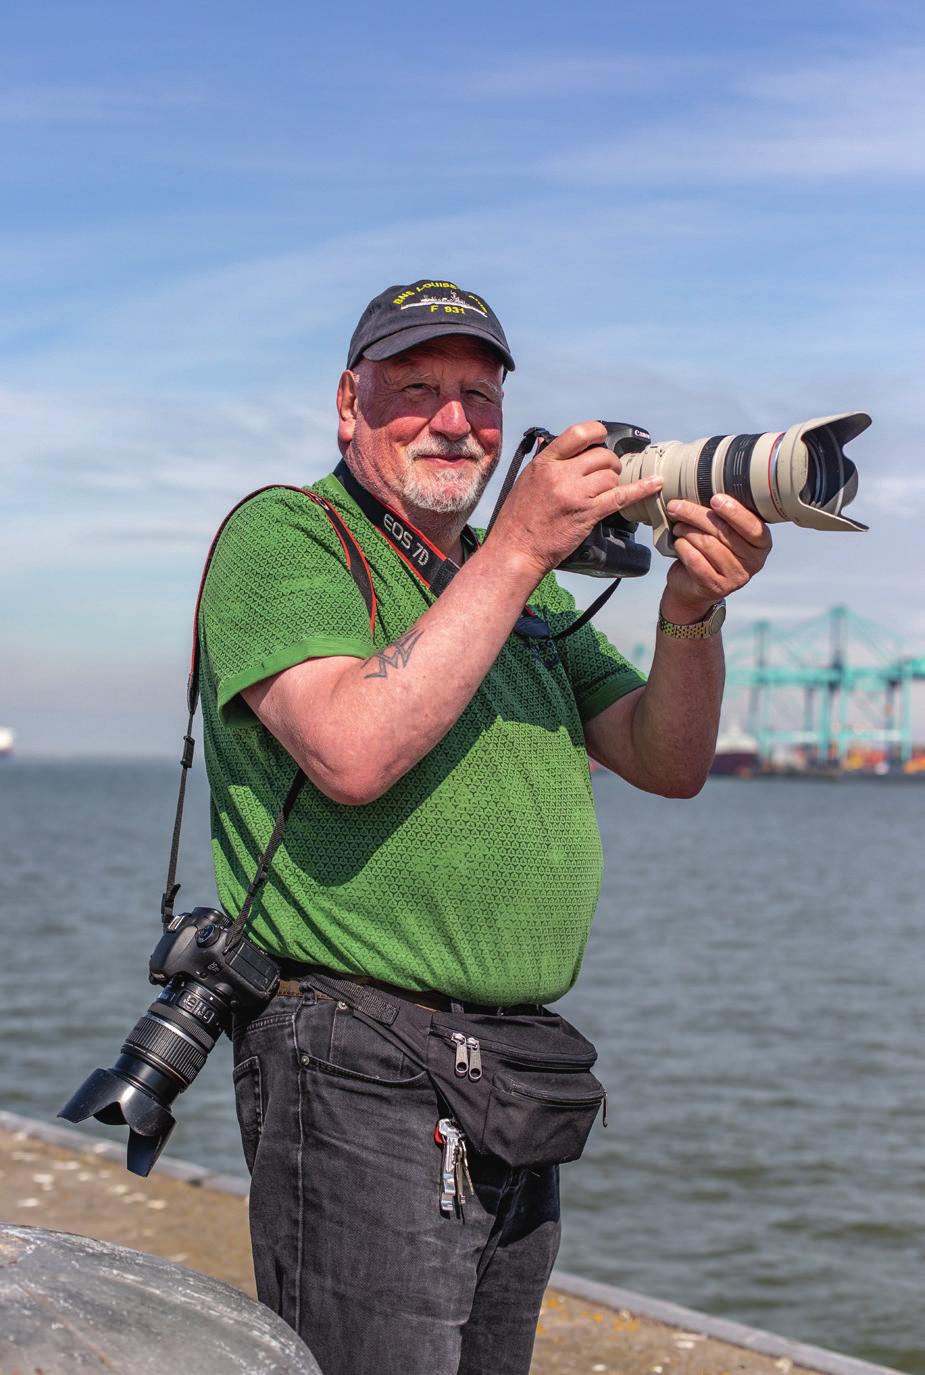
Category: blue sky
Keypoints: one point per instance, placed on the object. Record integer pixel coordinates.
(698, 218)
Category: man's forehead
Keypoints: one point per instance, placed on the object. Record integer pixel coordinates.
(451, 348)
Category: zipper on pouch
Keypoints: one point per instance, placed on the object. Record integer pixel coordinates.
(462, 1054)
(475, 1059)
(468, 1056)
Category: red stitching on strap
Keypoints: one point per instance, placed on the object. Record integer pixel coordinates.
(318, 501)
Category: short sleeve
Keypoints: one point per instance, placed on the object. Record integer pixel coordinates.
(278, 592)
(599, 673)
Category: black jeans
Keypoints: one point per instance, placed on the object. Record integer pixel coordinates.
(350, 1246)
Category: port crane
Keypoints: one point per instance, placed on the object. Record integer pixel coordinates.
(834, 683)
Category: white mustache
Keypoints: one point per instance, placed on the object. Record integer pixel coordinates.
(440, 447)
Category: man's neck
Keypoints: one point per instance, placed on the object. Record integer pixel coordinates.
(443, 530)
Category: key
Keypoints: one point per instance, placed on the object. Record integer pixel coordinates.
(447, 1134)
(463, 1177)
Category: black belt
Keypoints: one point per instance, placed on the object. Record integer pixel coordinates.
(297, 978)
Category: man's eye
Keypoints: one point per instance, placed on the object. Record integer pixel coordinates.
(486, 397)
(419, 388)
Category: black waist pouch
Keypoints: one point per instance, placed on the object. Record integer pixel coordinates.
(519, 1086)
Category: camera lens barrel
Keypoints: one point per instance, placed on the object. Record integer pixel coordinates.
(159, 1058)
(736, 468)
(800, 474)
(177, 1032)
(168, 1047)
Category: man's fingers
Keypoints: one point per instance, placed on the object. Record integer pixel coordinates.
(593, 460)
(615, 498)
(710, 579)
(723, 560)
(719, 533)
(600, 482)
(723, 508)
(744, 521)
(574, 440)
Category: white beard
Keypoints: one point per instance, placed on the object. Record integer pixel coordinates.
(448, 491)
(451, 489)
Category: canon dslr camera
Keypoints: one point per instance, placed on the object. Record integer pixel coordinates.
(206, 982)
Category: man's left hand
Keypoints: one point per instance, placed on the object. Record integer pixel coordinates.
(720, 548)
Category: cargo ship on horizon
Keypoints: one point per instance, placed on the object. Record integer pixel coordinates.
(737, 754)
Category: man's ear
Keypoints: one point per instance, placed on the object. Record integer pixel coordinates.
(347, 405)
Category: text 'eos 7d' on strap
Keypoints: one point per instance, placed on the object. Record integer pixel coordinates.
(359, 571)
(424, 559)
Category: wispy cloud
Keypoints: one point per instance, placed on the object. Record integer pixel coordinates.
(91, 478)
(843, 117)
(182, 326)
(156, 442)
(184, 323)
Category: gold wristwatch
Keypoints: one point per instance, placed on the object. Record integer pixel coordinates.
(711, 624)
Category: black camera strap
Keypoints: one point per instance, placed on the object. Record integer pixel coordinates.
(423, 559)
(263, 864)
(359, 570)
(537, 438)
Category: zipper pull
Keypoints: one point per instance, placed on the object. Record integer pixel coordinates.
(462, 1054)
(475, 1058)
(605, 1108)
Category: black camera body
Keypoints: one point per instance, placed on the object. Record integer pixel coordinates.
(207, 978)
(195, 946)
(610, 550)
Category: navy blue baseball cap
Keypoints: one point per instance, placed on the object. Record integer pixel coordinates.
(402, 316)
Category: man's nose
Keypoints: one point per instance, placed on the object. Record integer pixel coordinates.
(451, 419)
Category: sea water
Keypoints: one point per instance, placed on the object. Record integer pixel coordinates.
(754, 985)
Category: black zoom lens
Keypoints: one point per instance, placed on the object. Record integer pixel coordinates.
(160, 1057)
(205, 982)
(174, 1036)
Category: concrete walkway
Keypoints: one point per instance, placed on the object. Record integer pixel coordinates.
(55, 1177)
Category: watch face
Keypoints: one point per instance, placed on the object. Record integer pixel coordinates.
(717, 616)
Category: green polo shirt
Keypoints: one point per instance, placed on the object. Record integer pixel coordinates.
(478, 873)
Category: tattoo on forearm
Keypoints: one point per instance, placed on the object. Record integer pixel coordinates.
(396, 655)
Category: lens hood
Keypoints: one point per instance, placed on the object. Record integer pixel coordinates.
(114, 1100)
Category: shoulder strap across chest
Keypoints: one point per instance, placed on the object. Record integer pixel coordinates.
(359, 571)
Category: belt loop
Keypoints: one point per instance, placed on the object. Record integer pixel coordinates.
(456, 1006)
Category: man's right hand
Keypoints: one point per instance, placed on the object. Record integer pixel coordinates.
(562, 494)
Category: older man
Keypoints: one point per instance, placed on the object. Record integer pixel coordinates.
(445, 848)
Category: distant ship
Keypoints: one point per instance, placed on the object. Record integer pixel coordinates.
(736, 753)
(6, 741)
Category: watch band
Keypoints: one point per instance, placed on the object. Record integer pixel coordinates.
(709, 625)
